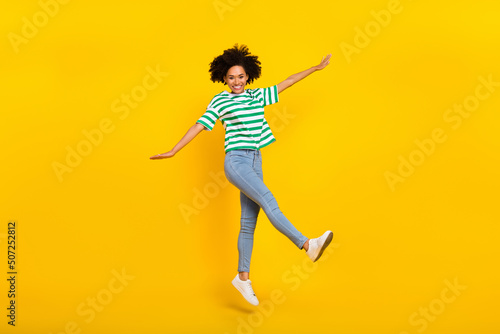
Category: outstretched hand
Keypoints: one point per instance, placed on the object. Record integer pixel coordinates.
(168, 154)
(324, 62)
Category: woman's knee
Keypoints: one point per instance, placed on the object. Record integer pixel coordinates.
(268, 202)
(248, 224)
(247, 230)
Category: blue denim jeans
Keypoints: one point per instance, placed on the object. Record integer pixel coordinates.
(243, 168)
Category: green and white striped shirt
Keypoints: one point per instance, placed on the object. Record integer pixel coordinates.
(242, 116)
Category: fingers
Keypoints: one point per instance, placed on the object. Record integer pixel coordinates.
(326, 59)
(162, 156)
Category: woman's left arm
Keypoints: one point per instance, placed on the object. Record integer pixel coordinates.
(294, 78)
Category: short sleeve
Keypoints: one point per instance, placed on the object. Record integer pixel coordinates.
(270, 95)
(210, 116)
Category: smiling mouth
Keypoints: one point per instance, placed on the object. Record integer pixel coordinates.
(237, 87)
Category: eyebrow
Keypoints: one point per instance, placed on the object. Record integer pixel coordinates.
(232, 75)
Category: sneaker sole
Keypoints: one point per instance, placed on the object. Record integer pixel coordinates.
(327, 242)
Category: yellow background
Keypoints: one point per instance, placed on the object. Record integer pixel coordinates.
(343, 129)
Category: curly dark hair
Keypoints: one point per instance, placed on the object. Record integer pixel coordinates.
(236, 56)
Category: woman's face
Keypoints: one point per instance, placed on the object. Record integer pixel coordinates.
(236, 78)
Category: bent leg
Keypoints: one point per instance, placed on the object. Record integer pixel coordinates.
(245, 177)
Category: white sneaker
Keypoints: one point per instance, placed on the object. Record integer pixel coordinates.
(318, 245)
(245, 288)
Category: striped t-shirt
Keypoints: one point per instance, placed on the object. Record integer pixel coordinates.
(242, 116)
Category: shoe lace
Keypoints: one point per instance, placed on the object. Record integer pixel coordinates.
(248, 288)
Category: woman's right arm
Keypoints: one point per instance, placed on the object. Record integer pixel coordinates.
(190, 134)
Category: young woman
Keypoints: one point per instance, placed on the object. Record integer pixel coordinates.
(241, 112)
